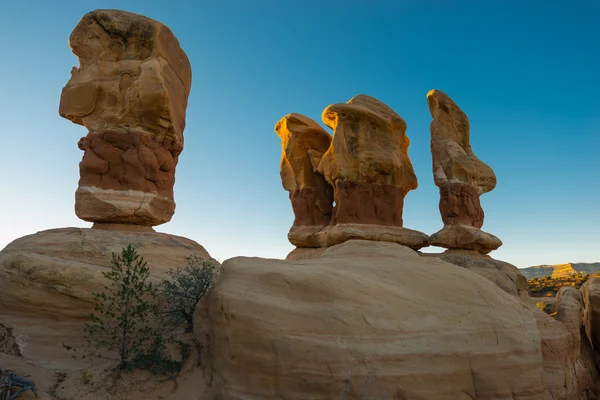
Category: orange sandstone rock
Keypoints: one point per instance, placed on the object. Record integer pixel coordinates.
(130, 91)
(303, 144)
(367, 166)
(461, 177)
(368, 163)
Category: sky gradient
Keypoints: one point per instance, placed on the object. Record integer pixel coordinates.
(525, 72)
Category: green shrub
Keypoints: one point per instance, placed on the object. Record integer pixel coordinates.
(183, 290)
(125, 311)
(86, 376)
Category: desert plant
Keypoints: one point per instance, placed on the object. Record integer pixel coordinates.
(541, 305)
(156, 360)
(125, 311)
(183, 290)
(86, 376)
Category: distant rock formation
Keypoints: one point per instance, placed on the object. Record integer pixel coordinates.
(461, 177)
(303, 143)
(560, 270)
(130, 91)
(367, 166)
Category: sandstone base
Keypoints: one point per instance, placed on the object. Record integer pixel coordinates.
(315, 236)
(374, 320)
(463, 237)
(306, 236)
(506, 276)
(122, 206)
(54, 272)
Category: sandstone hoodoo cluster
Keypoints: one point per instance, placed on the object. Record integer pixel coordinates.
(354, 312)
(130, 91)
(364, 170)
(352, 186)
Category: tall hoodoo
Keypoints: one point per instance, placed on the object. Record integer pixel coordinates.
(368, 163)
(461, 177)
(130, 91)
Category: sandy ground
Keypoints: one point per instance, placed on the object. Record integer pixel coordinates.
(64, 374)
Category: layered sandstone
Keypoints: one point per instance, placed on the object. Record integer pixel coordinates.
(303, 144)
(461, 177)
(130, 91)
(46, 285)
(54, 272)
(378, 317)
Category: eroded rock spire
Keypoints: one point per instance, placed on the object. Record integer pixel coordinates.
(130, 91)
(303, 143)
(461, 177)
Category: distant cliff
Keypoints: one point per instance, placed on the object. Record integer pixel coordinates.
(560, 270)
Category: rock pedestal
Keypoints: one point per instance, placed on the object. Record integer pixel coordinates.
(130, 91)
(461, 177)
(374, 320)
(54, 272)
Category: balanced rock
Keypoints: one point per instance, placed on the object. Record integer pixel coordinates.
(369, 169)
(130, 91)
(461, 177)
(368, 163)
(303, 144)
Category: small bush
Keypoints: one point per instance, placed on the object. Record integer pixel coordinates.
(136, 319)
(86, 376)
(183, 290)
(125, 310)
(541, 305)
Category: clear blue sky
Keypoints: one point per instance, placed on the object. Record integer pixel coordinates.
(527, 73)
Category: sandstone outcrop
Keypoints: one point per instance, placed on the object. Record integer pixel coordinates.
(461, 177)
(54, 272)
(130, 91)
(504, 275)
(303, 144)
(381, 314)
(591, 312)
(47, 280)
(367, 166)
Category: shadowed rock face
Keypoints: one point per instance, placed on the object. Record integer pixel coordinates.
(130, 91)
(368, 163)
(303, 144)
(461, 177)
